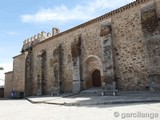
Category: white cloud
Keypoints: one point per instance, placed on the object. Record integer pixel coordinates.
(7, 67)
(79, 12)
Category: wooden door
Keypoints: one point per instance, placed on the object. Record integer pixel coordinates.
(96, 78)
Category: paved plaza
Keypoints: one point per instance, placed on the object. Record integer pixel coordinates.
(24, 110)
(93, 97)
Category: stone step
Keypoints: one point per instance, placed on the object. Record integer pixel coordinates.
(91, 92)
(95, 92)
(138, 93)
(98, 92)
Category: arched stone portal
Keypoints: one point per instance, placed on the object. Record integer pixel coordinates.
(96, 78)
(93, 72)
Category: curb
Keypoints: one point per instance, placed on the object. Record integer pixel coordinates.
(42, 102)
(100, 103)
(114, 102)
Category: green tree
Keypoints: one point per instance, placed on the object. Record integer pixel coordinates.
(1, 68)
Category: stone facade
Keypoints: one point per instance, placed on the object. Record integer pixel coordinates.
(119, 47)
(8, 84)
(19, 72)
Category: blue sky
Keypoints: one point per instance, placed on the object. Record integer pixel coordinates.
(21, 19)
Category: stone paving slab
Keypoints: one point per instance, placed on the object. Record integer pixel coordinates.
(44, 99)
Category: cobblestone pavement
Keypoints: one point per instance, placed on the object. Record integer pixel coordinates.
(24, 110)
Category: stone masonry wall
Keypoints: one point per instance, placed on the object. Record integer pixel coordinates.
(130, 51)
(28, 73)
(129, 58)
(19, 72)
(8, 84)
(151, 32)
(76, 55)
(91, 46)
(107, 53)
(157, 4)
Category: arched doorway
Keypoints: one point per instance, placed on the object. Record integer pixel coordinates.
(93, 72)
(96, 78)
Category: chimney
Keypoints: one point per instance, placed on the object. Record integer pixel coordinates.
(55, 31)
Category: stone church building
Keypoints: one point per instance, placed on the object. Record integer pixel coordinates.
(120, 47)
